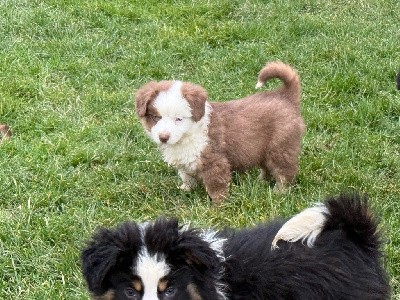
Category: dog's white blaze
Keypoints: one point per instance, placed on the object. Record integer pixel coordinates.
(305, 226)
(171, 103)
(151, 269)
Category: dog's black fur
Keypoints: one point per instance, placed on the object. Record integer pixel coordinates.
(344, 263)
(398, 80)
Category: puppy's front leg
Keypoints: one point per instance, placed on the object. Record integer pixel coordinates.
(216, 176)
(188, 182)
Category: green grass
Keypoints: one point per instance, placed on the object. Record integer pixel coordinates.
(79, 158)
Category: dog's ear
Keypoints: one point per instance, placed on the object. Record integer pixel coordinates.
(144, 95)
(107, 251)
(197, 97)
(199, 253)
(183, 245)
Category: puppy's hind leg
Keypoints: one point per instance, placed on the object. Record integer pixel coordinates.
(283, 169)
(188, 182)
(265, 175)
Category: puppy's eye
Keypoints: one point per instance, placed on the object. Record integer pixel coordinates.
(178, 119)
(131, 293)
(170, 292)
(155, 118)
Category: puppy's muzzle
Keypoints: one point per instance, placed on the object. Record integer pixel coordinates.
(164, 136)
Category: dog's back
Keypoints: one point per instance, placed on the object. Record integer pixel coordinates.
(343, 263)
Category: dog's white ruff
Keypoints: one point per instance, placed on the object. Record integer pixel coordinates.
(186, 152)
(305, 226)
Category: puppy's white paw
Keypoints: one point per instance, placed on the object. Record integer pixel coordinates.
(185, 187)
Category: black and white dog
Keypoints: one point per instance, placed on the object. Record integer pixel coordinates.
(330, 251)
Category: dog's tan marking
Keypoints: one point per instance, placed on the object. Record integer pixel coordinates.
(162, 285)
(137, 285)
(109, 295)
(5, 132)
(193, 292)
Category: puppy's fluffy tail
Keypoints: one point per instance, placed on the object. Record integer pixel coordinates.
(351, 214)
(348, 212)
(284, 72)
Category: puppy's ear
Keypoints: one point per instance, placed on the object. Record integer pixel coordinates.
(108, 251)
(197, 97)
(199, 253)
(144, 95)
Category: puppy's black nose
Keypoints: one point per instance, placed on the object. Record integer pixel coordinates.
(164, 137)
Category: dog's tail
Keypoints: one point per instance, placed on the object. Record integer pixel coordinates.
(398, 80)
(284, 72)
(5, 132)
(349, 213)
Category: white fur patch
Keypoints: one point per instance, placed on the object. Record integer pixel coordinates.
(259, 84)
(151, 269)
(305, 226)
(216, 243)
(185, 154)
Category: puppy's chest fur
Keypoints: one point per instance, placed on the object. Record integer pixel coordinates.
(186, 154)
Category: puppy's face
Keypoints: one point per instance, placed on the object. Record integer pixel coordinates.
(157, 261)
(169, 109)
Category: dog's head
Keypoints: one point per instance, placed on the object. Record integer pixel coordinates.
(169, 109)
(153, 261)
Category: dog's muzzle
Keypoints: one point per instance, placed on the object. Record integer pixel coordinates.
(164, 136)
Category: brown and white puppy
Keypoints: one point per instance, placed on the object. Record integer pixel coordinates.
(208, 140)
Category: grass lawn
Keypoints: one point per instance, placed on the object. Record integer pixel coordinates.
(80, 159)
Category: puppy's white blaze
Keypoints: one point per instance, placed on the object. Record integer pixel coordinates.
(170, 103)
(305, 226)
(259, 84)
(151, 269)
